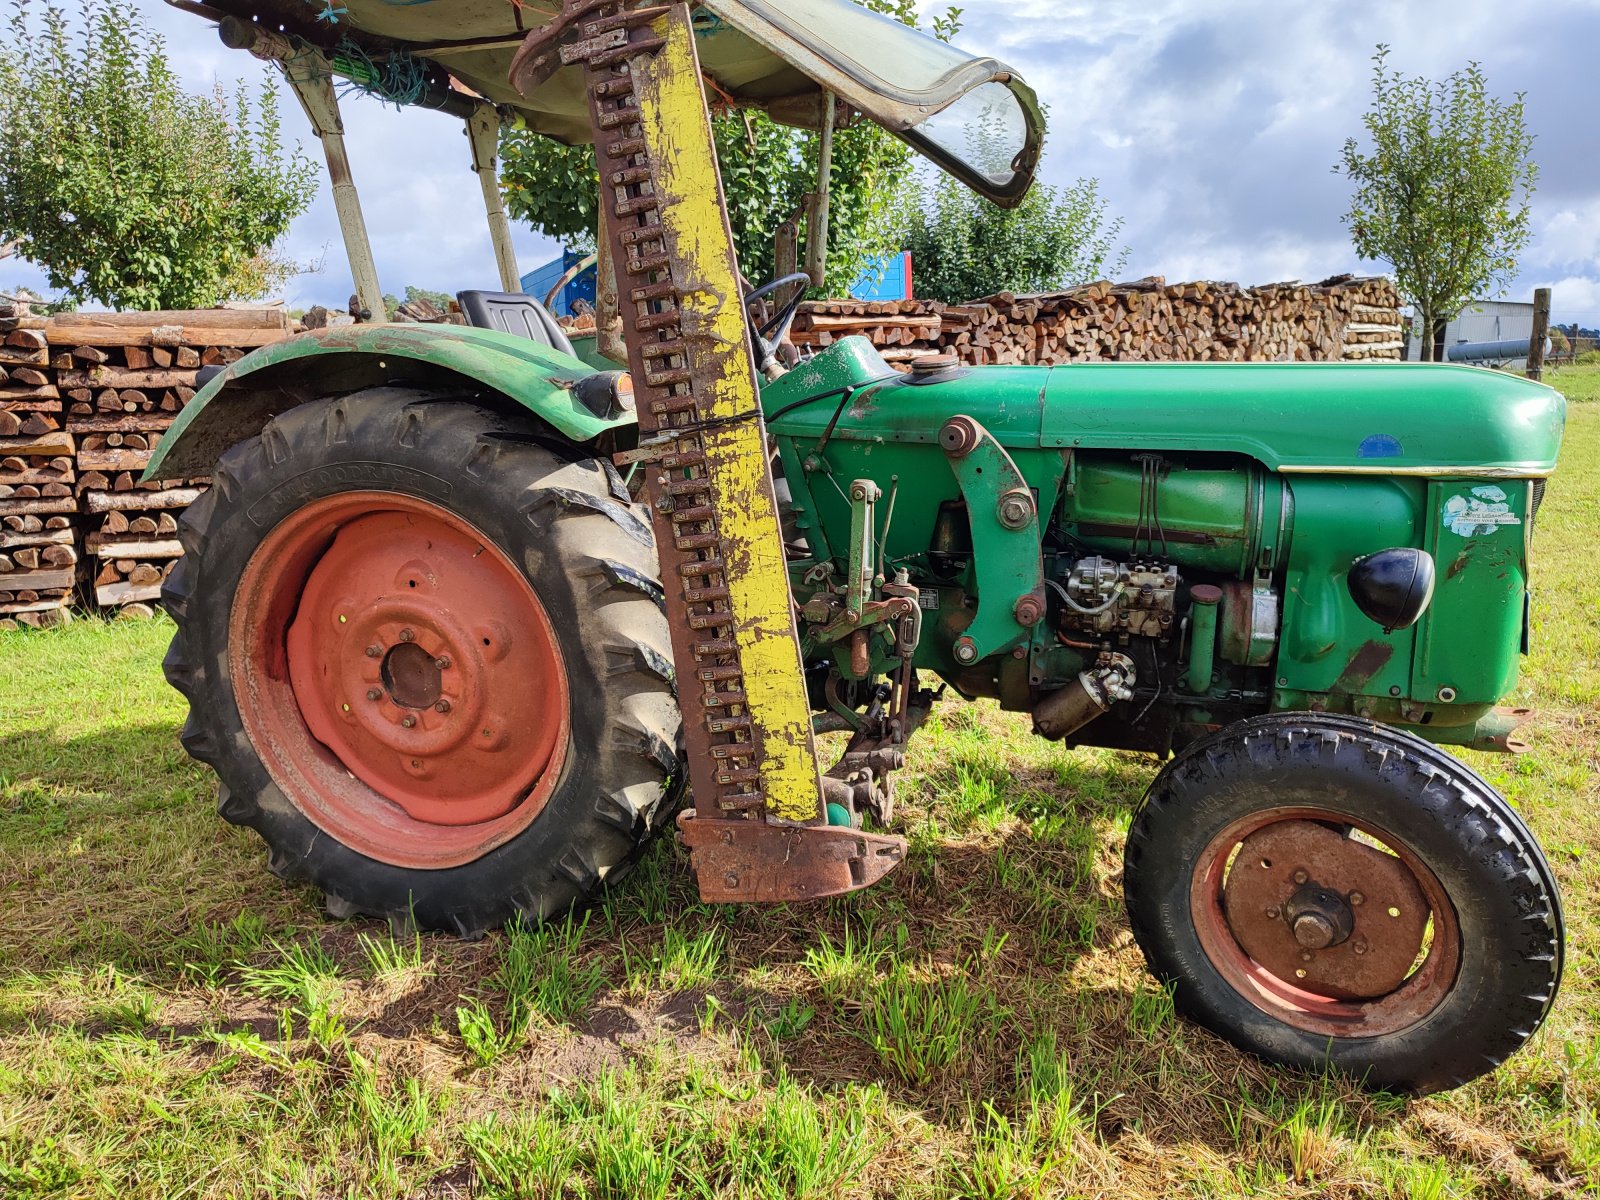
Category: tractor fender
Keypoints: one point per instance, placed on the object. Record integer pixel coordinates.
(495, 369)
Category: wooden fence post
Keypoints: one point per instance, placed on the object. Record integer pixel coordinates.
(1541, 328)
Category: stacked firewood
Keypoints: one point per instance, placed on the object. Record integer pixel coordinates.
(1343, 317)
(84, 400)
(130, 375)
(37, 556)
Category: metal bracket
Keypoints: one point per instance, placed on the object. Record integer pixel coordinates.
(1005, 539)
(754, 862)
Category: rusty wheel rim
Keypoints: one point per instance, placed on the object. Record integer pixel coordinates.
(1333, 927)
(399, 678)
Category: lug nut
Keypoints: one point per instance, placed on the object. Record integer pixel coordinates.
(1360, 947)
(442, 662)
(408, 722)
(1356, 898)
(374, 651)
(442, 707)
(1272, 912)
(731, 879)
(1301, 877)
(374, 694)
(407, 635)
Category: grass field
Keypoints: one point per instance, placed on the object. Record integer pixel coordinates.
(175, 1022)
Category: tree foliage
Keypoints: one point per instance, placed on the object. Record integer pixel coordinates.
(123, 187)
(963, 247)
(766, 170)
(1442, 196)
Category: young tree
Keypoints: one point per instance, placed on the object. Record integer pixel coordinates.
(963, 247)
(766, 170)
(123, 187)
(1443, 194)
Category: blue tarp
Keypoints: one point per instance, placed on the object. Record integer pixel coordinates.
(893, 284)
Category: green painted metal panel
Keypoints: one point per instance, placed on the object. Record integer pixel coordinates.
(327, 360)
(1327, 644)
(1370, 418)
(1468, 640)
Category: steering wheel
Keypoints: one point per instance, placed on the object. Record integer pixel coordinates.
(770, 333)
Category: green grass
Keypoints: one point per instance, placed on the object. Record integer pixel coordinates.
(1579, 383)
(174, 1021)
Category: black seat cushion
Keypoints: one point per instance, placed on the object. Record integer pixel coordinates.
(515, 313)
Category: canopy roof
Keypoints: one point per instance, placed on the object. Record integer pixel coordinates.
(975, 117)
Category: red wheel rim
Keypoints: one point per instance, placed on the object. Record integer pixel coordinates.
(1382, 975)
(399, 678)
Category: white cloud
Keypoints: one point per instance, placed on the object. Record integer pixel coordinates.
(1213, 129)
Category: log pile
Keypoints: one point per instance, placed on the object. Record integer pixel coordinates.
(1342, 318)
(84, 403)
(38, 560)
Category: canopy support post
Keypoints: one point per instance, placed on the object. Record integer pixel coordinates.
(483, 130)
(311, 77)
(817, 224)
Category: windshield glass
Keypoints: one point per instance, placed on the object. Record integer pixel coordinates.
(986, 131)
(972, 116)
(871, 46)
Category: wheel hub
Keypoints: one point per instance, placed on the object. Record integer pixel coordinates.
(413, 655)
(1324, 912)
(1318, 916)
(413, 677)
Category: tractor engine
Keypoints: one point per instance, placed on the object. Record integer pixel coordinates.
(1138, 565)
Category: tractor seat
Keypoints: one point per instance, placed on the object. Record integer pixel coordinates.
(514, 313)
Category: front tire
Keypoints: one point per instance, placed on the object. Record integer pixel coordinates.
(1323, 890)
(424, 655)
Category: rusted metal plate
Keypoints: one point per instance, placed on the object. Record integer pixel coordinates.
(736, 860)
(1389, 911)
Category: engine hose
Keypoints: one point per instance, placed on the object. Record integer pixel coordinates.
(1116, 594)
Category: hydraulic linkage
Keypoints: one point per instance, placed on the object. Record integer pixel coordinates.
(759, 828)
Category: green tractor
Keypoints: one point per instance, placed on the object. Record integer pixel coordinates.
(463, 619)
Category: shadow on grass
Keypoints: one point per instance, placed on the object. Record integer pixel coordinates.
(998, 946)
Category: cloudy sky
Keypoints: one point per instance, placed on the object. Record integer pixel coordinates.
(1212, 125)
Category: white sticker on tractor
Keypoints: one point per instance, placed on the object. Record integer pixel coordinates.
(1479, 514)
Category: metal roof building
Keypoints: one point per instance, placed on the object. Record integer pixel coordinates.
(1482, 321)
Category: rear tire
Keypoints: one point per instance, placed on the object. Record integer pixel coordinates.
(1443, 917)
(425, 655)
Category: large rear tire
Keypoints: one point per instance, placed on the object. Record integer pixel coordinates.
(1326, 891)
(425, 655)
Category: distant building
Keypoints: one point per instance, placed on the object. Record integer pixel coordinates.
(1482, 321)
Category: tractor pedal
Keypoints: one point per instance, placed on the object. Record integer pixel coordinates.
(739, 861)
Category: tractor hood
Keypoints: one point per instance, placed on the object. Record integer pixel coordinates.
(974, 117)
(1318, 418)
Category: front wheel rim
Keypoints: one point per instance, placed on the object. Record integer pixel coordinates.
(399, 678)
(1333, 927)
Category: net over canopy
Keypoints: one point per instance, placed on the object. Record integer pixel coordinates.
(974, 117)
